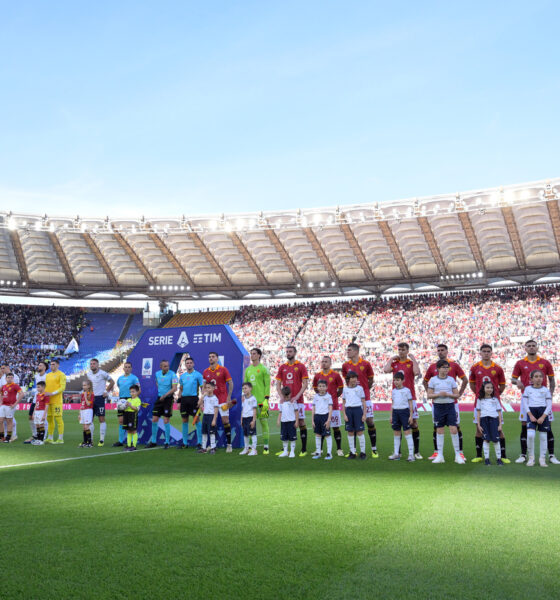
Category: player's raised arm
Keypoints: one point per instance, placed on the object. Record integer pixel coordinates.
(415, 366)
(388, 367)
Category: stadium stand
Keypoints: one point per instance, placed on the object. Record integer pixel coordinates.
(218, 317)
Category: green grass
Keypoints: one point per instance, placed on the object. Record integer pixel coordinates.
(174, 524)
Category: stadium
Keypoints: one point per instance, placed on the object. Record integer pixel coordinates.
(348, 399)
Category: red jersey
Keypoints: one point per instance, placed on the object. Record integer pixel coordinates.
(480, 374)
(41, 401)
(86, 400)
(220, 376)
(524, 367)
(334, 383)
(407, 369)
(455, 371)
(9, 393)
(292, 376)
(364, 371)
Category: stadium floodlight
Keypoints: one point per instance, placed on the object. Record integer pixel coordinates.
(310, 284)
(480, 274)
(23, 284)
(188, 287)
(298, 285)
(322, 284)
(333, 283)
(1, 282)
(158, 287)
(164, 288)
(176, 288)
(14, 282)
(182, 288)
(151, 288)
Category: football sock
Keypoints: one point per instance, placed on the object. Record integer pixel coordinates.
(102, 431)
(362, 442)
(40, 433)
(246, 441)
(460, 438)
(204, 440)
(435, 439)
(502, 447)
(199, 433)
(416, 439)
(409, 437)
(372, 436)
(542, 444)
(33, 429)
(285, 445)
(352, 443)
(254, 442)
(154, 432)
(329, 444)
(14, 427)
(135, 439)
(90, 437)
(92, 428)
(478, 445)
(455, 441)
(550, 438)
(227, 431)
(265, 431)
(185, 431)
(50, 421)
(212, 440)
(129, 439)
(318, 444)
(337, 437)
(523, 439)
(167, 429)
(531, 442)
(85, 436)
(9, 435)
(303, 437)
(292, 447)
(397, 444)
(486, 448)
(123, 435)
(498, 450)
(440, 440)
(60, 425)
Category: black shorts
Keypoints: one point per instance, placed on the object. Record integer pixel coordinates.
(99, 406)
(288, 431)
(400, 419)
(189, 406)
(319, 425)
(247, 429)
(130, 420)
(489, 426)
(163, 408)
(207, 427)
(32, 409)
(355, 415)
(445, 414)
(538, 412)
(120, 413)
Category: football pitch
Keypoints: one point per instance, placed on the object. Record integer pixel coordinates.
(176, 524)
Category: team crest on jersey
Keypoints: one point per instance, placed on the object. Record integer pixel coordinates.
(361, 368)
(296, 369)
(493, 372)
(541, 366)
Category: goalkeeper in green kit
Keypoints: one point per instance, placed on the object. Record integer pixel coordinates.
(258, 375)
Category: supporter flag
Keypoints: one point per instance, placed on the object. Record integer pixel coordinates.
(72, 347)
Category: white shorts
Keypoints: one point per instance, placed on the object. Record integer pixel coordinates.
(414, 410)
(223, 413)
(301, 411)
(369, 409)
(86, 416)
(39, 417)
(335, 419)
(7, 412)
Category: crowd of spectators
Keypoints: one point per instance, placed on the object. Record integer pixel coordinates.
(35, 326)
(504, 318)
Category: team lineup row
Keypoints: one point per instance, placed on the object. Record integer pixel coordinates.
(293, 375)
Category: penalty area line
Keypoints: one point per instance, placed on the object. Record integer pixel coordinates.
(57, 460)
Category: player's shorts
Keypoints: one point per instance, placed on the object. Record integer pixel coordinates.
(55, 410)
(400, 419)
(163, 408)
(288, 431)
(86, 416)
(188, 406)
(247, 429)
(207, 427)
(354, 415)
(320, 425)
(415, 410)
(130, 420)
(489, 426)
(99, 406)
(301, 411)
(221, 412)
(445, 415)
(538, 412)
(369, 410)
(39, 417)
(31, 409)
(7, 412)
(336, 419)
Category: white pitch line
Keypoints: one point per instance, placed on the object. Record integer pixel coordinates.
(56, 460)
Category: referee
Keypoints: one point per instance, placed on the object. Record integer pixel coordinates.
(123, 383)
(189, 384)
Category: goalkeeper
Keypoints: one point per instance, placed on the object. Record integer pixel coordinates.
(258, 375)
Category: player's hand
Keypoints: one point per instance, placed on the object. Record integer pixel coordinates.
(479, 428)
(214, 423)
(328, 425)
(105, 394)
(253, 424)
(364, 418)
(410, 420)
(540, 421)
(533, 420)
(345, 418)
(500, 427)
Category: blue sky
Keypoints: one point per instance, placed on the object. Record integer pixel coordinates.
(170, 108)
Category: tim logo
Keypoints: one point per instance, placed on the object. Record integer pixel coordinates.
(183, 340)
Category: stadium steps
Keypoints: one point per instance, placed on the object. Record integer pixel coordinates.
(218, 317)
(125, 328)
(304, 322)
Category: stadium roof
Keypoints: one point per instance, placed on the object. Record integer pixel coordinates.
(453, 241)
